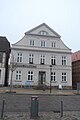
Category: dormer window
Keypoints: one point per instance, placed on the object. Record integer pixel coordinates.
(43, 33)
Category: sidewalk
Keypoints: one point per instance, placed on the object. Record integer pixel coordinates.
(33, 91)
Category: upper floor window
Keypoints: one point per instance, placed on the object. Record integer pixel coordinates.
(18, 75)
(42, 43)
(53, 60)
(19, 57)
(53, 44)
(64, 76)
(64, 60)
(30, 75)
(31, 58)
(42, 59)
(43, 33)
(31, 42)
(53, 76)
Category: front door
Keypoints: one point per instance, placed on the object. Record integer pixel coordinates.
(42, 77)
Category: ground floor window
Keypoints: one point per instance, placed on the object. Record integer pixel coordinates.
(64, 76)
(18, 75)
(30, 75)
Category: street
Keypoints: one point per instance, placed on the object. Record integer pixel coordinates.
(47, 103)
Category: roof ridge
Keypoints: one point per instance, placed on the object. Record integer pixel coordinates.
(40, 26)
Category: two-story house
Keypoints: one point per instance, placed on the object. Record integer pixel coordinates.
(76, 69)
(41, 57)
(4, 58)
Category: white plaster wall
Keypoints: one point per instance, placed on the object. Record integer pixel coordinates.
(58, 68)
(2, 76)
(23, 46)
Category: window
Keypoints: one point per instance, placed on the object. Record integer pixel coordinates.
(43, 33)
(63, 60)
(30, 75)
(18, 75)
(42, 43)
(53, 44)
(1, 55)
(53, 76)
(31, 42)
(53, 60)
(19, 57)
(31, 58)
(42, 59)
(0, 75)
(64, 76)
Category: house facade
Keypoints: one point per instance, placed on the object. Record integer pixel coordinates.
(76, 69)
(4, 58)
(41, 57)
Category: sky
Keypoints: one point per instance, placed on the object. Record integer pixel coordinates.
(19, 16)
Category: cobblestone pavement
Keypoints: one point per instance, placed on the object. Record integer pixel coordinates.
(47, 103)
(17, 105)
(68, 115)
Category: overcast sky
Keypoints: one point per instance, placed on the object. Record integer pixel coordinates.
(19, 16)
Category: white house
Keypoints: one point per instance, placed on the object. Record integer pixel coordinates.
(41, 57)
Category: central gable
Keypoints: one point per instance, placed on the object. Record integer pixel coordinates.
(43, 29)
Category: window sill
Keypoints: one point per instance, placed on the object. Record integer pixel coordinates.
(29, 81)
(54, 81)
(63, 81)
(18, 80)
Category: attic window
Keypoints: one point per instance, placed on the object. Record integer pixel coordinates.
(43, 33)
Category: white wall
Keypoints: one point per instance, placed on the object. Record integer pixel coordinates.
(23, 46)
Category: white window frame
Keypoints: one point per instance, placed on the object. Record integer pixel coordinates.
(43, 33)
(53, 76)
(18, 75)
(42, 59)
(31, 42)
(53, 60)
(43, 43)
(53, 44)
(31, 58)
(64, 77)
(30, 75)
(19, 57)
(64, 60)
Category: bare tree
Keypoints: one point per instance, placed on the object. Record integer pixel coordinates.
(13, 65)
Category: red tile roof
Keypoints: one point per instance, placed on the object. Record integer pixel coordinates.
(76, 56)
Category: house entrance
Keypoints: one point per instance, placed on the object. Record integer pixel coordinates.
(42, 77)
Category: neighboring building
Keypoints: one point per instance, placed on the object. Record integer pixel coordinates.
(41, 56)
(4, 57)
(75, 69)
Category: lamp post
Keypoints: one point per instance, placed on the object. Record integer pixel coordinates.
(50, 78)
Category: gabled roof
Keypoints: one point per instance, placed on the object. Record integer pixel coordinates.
(43, 24)
(4, 44)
